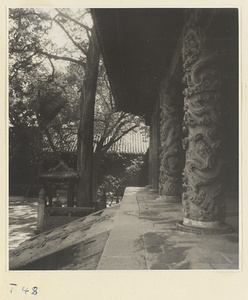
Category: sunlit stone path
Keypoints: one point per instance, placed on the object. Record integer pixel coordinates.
(22, 219)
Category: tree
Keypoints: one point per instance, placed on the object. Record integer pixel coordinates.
(35, 49)
(86, 124)
(39, 64)
(36, 96)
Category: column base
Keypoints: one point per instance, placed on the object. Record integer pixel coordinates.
(199, 227)
(169, 199)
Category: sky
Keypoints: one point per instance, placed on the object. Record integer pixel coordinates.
(59, 37)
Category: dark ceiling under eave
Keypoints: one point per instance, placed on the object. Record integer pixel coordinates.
(137, 47)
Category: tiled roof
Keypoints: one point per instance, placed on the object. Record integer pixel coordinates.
(134, 142)
(60, 171)
(131, 143)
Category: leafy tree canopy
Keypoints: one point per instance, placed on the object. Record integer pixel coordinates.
(48, 52)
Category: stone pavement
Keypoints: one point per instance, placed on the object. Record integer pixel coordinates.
(22, 219)
(77, 245)
(145, 236)
(140, 233)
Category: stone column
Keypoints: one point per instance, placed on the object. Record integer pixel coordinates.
(156, 142)
(155, 151)
(41, 216)
(150, 158)
(171, 151)
(203, 199)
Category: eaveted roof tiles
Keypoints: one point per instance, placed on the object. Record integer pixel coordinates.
(134, 142)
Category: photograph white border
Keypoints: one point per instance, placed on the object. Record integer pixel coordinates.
(127, 284)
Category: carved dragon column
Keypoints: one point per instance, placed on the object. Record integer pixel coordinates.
(171, 152)
(203, 199)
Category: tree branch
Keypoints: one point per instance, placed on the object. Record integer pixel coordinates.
(23, 49)
(50, 141)
(53, 71)
(112, 140)
(70, 37)
(75, 21)
(65, 58)
(125, 132)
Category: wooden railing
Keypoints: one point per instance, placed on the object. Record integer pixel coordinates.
(47, 215)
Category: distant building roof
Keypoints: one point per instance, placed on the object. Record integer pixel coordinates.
(61, 171)
(134, 142)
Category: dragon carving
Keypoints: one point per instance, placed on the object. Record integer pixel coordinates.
(171, 148)
(203, 197)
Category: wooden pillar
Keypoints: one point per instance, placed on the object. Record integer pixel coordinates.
(203, 200)
(171, 151)
(86, 125)
(49, 189)
(70, 194)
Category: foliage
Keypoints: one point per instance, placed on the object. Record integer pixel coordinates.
(111, 184)
(135, 166)
(110, 125)
(48, 52)
(127, 172)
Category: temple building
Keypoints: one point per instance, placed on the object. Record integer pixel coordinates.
(178, 67)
